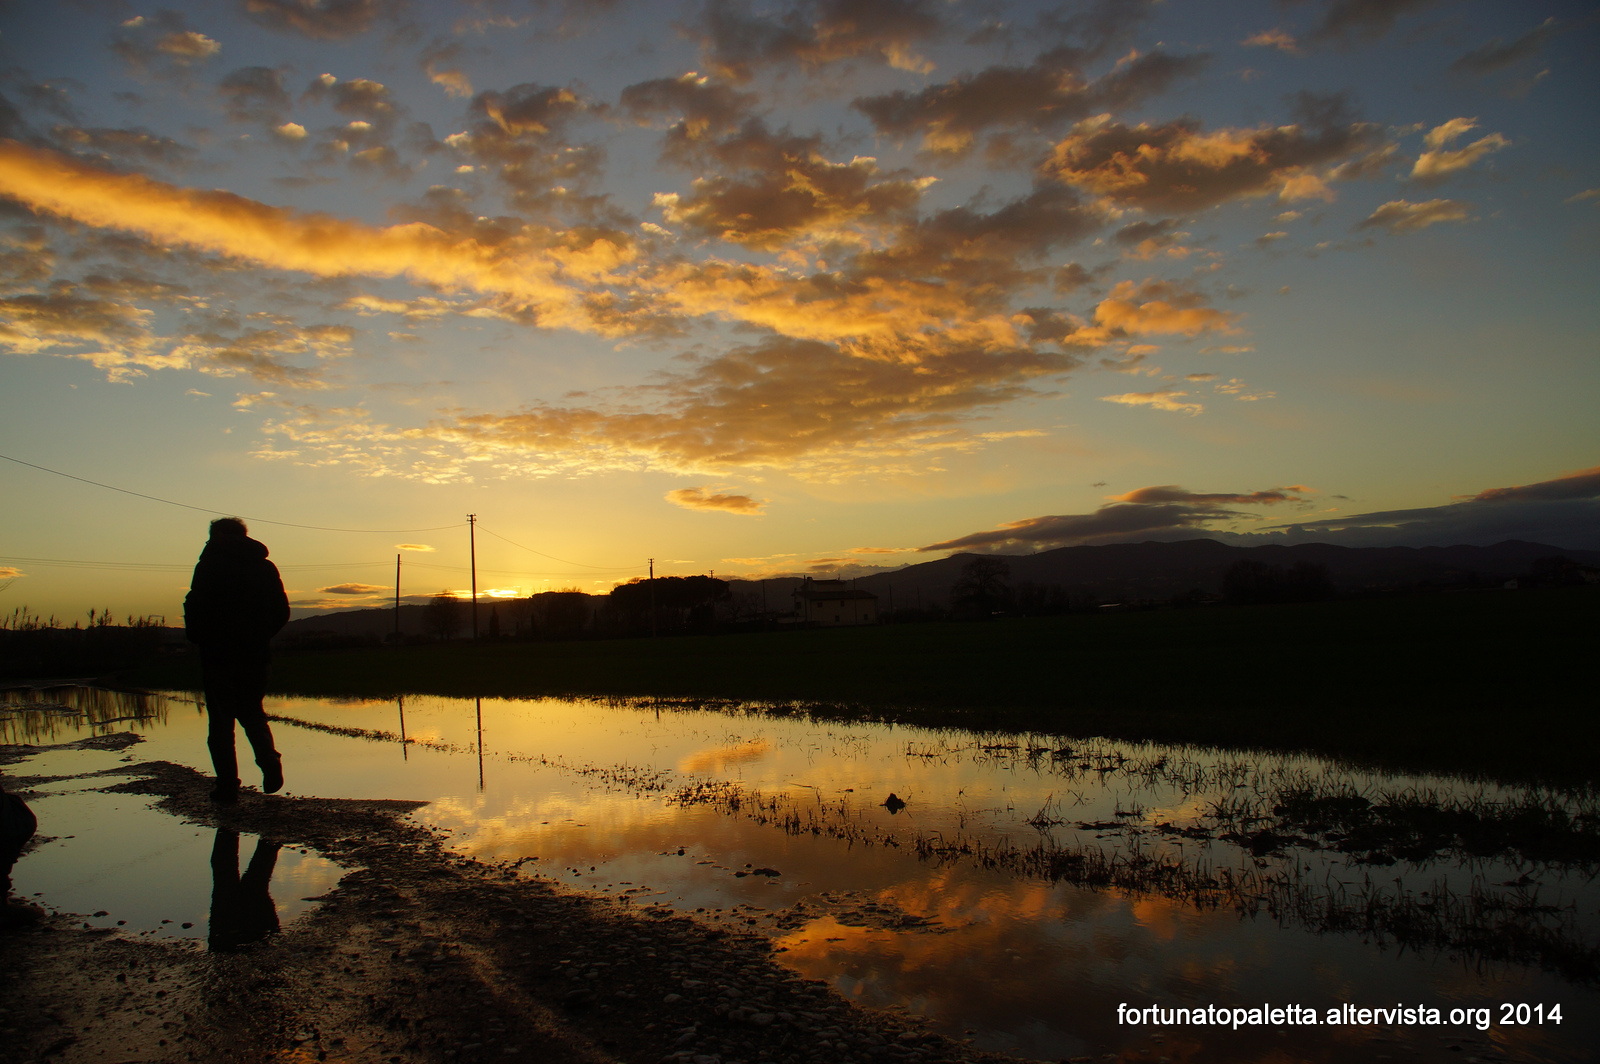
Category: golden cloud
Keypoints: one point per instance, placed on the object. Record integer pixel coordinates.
(1176, 167)
(1435, 164)
(1045, 96)
(1164, 399)
(1274, 38)
(1127, 311)
(262, 354)
(790, 191)
(1173, 493)
(700, 499)
(528, 272)
(881, 358)
(453, 81)
(704, 108)
(188, 45)
(1403, 216)
(774, 403)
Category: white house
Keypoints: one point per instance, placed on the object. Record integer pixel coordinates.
(831, 602)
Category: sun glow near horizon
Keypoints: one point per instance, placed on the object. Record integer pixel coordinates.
(786, 292)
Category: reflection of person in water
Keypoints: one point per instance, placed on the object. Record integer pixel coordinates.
(242, 910)
(235, 606)
(17, 824)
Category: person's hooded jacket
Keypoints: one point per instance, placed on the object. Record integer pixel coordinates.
(236, 597)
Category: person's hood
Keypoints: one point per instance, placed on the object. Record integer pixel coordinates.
(241, 548)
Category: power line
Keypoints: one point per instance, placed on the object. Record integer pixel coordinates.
(220, 513)
(173, 567)
(494, 572)
(563, 561)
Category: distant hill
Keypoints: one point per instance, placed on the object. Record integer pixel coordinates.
(377, 622)
(1120, 572)
(1161, 571)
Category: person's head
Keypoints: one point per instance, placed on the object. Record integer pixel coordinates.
(224, 527)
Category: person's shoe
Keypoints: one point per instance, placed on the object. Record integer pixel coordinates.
(271, 775)
(226, 792)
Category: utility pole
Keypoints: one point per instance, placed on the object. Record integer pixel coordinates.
(652, 598)
(472, 549)
(397, 604)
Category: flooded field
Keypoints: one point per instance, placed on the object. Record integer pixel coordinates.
(1014, 889)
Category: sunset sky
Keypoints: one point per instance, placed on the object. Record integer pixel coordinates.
(786, 287)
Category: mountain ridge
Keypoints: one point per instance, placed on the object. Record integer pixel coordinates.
(1154, 570)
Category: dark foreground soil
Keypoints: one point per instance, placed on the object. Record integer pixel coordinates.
(419, 956)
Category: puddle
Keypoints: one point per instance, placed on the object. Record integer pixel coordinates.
(1017, 890)
(117, 863)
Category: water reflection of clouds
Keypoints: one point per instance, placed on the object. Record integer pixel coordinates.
(721, 758)
(1038, 966)
(1158, 916)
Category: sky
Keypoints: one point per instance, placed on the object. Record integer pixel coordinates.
(802, 286)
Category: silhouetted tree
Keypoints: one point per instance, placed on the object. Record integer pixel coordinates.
(561, 614)
(1250, 581)
(983, 588)
(442, 615)
(1558, 571)
(681, 603)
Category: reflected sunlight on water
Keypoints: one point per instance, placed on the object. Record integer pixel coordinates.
(1028, 886)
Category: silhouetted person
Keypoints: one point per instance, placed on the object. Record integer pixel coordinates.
(235, 606)
(242, 910)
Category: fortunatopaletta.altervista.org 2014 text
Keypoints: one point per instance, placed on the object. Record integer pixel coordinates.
(1290, 1015)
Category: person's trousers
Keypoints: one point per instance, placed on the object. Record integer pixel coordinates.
(235, 681)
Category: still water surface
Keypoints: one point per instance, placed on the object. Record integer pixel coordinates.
(1017, 891)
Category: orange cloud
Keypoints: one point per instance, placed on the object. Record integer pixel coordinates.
(1173, 493)
(1274, 38)
(1164, 399)
(1166, 310)
(1045, 96)
(1402, 216)
(1176, 167)
(790, 191)
(1435, 164)
(781, 401)
(699, 499)
(227, 224)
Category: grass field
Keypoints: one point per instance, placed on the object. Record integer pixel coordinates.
(1491, 683)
